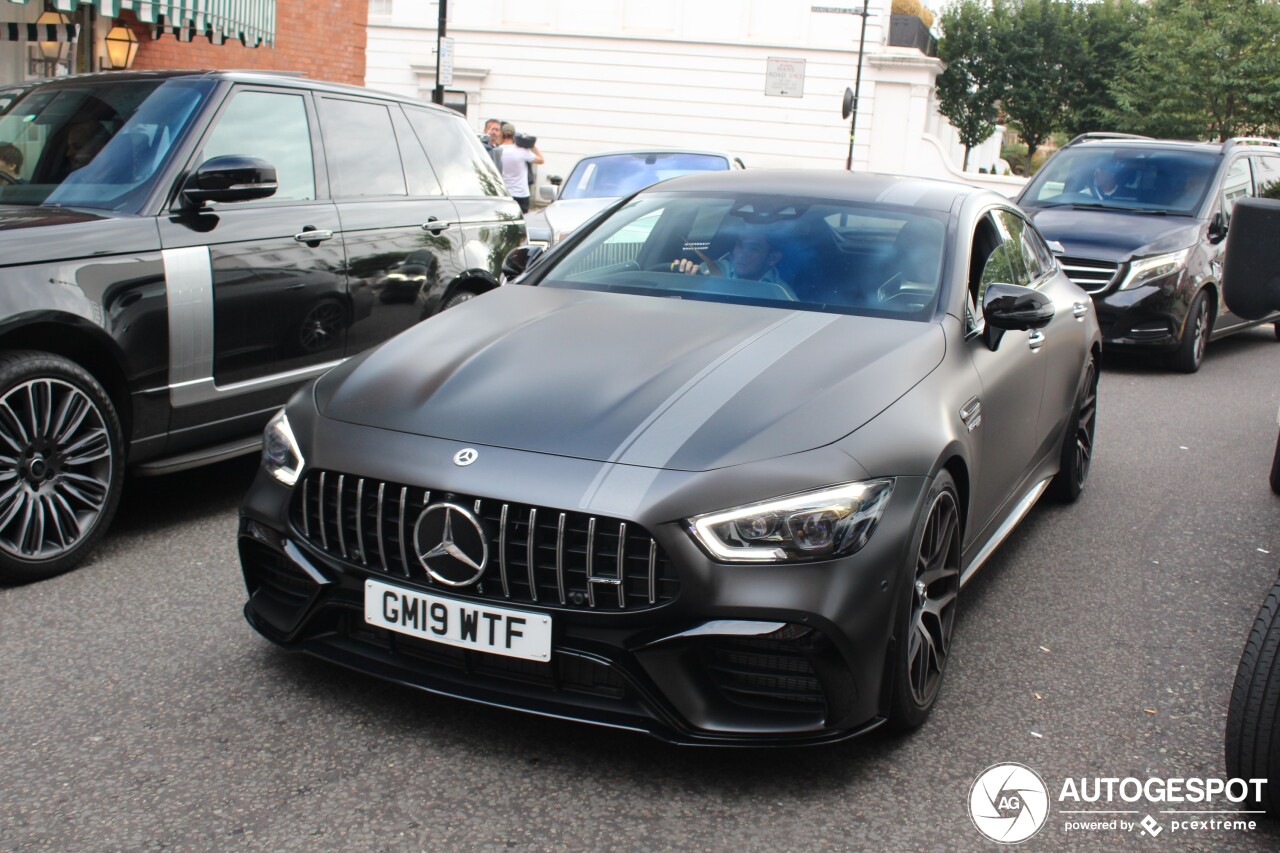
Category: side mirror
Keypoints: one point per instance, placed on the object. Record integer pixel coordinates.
(230, 178)
(1012, 307)
(1251, 270)
(547, 194)
(1218, 228)
(518, 260)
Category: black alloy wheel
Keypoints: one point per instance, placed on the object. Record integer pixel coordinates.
(457, 299)
(322, 325)
(61, 465)
(922, 645)
(1195, 335)
(1253, 715)
(1078, 441)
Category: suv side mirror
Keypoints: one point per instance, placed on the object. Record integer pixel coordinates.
(548, 194)
(1218, 228)
(518, 260)
(230, 178)
(1251, 269)
(1012, 307)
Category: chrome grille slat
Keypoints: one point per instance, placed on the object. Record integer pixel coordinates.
(576, 565)
(1095, 276)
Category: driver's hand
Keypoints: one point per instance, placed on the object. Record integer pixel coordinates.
(687, 267)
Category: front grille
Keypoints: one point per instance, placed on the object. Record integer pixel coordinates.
(761, 673)
(1092, 275)
(538, 555)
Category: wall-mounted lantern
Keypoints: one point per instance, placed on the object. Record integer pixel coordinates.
(122, 46)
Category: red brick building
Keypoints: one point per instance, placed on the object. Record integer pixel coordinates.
(325, 41)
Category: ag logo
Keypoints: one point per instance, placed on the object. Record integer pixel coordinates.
(1008, 803)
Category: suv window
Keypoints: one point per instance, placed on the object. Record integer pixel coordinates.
(1236, 185)
(1266, 174)
(274, 127)
(461, 164)
(364, 159)
(1130, 178)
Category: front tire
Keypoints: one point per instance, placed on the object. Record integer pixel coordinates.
(922, 637)
(457, 299)
(1195, 336)
(1078, 441)
(1253, 717)
(61, 465)
(1275, 468)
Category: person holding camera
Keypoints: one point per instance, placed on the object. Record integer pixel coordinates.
(519, 151)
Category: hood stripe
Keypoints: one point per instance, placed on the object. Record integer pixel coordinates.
(656, 441)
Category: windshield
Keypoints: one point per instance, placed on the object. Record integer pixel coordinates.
(95, 145)
(616, 175)
(781, 251)
(1128, 178)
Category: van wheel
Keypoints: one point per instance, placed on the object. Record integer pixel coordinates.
(1195, 334)
(457, 299)
(61, 465)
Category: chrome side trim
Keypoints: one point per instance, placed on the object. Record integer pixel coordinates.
(726, 628)
(653, 570)
(971, 414)
(188, 275)
(298, 559)
(1002, 532)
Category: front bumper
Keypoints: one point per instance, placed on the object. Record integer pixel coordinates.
(728, 655)
(1150, 316)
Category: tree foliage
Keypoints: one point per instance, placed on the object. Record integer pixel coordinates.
(1104, 51)
(1037, 41)
(1203, 69)
(969, 88)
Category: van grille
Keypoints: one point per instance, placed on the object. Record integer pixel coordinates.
(1094, 276)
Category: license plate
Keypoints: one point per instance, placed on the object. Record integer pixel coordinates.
(496, 630)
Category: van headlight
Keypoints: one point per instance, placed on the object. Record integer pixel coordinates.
(280, 454)
(1147, 270)
(831, 522)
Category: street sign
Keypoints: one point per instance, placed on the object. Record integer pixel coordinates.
(837, 10)
(446, 62)
(784, 77)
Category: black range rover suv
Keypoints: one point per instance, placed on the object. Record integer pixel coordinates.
(1143, 225)
(182, 249)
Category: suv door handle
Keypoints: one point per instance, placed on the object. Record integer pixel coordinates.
(435, 226)
(1079, 310)
(311, 235)
(1035, 339)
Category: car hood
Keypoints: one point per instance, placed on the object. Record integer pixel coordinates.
(30, 235)
(638, 380)
(1114, 236)
(566, 215)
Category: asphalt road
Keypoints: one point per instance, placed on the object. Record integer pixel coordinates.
(139, 712)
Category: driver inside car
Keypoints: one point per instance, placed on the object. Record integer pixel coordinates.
(753, 256)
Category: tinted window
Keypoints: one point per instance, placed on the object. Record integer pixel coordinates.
(272, 126)
(460, 162)
(781, 251)
(1022, 241)
(1266, 174)
(617, 175)
(1004, 263)
(364, 159)
(417, 168)
(1130, 178)
(1236, 185)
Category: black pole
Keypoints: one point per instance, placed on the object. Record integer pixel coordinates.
(437, 95)
(857, 86)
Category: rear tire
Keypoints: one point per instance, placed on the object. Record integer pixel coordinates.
(1275, 468)
(1189, 355)
(458, 298)
(1078, 441)
(61, 465)
(927, 616)
(1253, 717)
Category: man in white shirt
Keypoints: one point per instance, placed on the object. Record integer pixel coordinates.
(515, 169)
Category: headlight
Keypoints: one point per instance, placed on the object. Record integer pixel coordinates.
(280, 454)
(830, 522)
(1149, 269)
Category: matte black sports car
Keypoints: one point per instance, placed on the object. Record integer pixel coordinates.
(715, 468)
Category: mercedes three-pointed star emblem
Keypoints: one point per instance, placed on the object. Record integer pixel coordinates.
(454, 555)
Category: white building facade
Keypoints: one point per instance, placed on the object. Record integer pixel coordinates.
(591, 75)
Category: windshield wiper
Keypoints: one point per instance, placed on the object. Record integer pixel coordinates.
(1082, 205)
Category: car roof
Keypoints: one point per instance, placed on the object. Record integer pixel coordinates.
(271, 78)
(902, 190)
(634, 151)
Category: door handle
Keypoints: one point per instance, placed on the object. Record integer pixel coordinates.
(311, 234)
(1079, 310)
(435, 226)
(1035, 339)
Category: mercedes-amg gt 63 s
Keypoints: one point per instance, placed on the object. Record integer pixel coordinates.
(714, 468)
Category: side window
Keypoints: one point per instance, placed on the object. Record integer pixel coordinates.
(463, 167)
(621, 247)
(417, 168)
(1236, 185)
(364, 159)
(274, 127)
(1025, 242)
(1266, 174)
(994, 258)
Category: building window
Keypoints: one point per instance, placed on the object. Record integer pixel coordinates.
(380, 8)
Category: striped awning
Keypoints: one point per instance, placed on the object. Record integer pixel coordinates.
(39, 32)
(251, 22)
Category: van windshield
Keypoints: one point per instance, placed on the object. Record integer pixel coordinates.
(97, 145)
(1154, 180)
